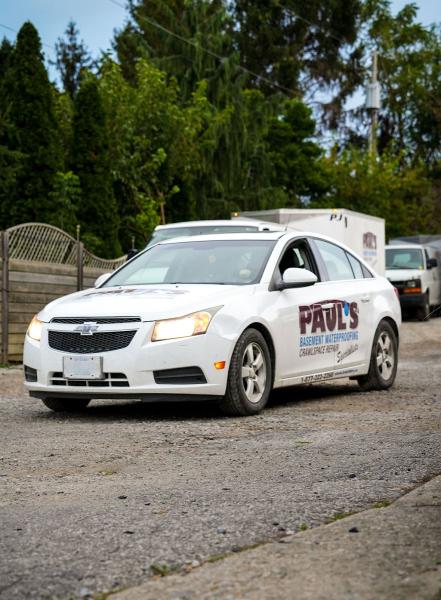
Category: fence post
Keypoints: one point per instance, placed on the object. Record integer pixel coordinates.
(80, 265)
(5, 297)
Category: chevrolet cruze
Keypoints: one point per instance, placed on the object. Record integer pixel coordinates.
(224, 317)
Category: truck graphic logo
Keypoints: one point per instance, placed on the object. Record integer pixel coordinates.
(369, 241)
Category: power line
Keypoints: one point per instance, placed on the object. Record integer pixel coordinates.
(297, 16)
(15, 31)
(207, 51)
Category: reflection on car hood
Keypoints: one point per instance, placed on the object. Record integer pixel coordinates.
(150, 302)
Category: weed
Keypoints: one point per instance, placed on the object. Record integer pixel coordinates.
(303, 526)
(381, 504)
(339, 516)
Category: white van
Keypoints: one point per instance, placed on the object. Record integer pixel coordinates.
(414, 270)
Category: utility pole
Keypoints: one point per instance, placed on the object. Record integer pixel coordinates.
(373, 105)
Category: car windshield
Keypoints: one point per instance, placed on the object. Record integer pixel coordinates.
(404, 258)
(171, 232)
(223, 262)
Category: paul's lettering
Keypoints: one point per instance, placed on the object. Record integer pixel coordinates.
(341, 316)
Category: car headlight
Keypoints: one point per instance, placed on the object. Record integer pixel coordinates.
(413, 283)
(195, 324)
(35, 328)
(413, 286)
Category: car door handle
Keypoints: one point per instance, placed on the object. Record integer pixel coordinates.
(365, 298)
(328, 306)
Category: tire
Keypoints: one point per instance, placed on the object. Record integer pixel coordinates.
(66, 404)
(248, 395)
(384, 360)
(423, 311)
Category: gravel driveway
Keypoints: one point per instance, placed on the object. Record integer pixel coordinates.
(104, 500)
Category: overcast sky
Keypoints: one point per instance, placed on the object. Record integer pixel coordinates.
(97, 19)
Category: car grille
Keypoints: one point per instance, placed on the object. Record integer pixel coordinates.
(110, 380)
(97, 320)
(105, 341)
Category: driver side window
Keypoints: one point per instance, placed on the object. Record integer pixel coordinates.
(297, 256)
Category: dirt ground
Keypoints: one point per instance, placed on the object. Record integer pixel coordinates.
(102, 501)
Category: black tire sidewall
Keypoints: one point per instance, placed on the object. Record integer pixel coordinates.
(234, 385)
(424, 310)
(384, 327)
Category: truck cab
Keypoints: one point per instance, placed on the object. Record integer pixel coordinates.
(414, 270)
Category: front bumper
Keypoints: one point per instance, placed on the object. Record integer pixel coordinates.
(412, 300)
(137, 363)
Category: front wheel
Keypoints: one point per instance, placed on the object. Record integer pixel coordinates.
(384, 360)
(66, 404)
(423, 311)
(249, 377)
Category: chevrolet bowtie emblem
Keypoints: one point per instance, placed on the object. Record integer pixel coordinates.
(87, 328)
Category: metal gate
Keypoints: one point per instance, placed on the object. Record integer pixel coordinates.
(40, 262)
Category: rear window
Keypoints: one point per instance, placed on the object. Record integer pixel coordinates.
(171, 232)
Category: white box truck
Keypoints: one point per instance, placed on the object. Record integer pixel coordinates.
(362, 233)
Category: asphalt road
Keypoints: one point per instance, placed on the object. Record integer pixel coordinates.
(104, 500)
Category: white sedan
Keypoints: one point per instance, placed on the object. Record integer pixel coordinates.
(224, 317)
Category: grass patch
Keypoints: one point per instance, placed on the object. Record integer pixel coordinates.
(381, 504)
(340, 516)
(303, 526)
(161, 570)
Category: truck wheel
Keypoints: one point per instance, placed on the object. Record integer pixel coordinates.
(423, 311)
(249, 377)
(66, 404)
(384, 360)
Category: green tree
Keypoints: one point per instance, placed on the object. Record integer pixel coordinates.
(410, 75)
(66, 195)
(32, 130)
(402, 195)
(196, 25)
(97, 209)
(297, 166)
(72, 58)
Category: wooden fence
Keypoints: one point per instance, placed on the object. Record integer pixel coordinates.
(40, 263)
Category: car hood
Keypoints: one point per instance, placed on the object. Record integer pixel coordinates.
(402, 274)
(150, 302)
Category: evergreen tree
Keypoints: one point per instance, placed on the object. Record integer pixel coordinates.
(72, 57)
(31, 130)
(6, 49)
(297, 167)
(97, 210)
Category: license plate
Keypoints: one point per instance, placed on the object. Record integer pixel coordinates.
(83, 367)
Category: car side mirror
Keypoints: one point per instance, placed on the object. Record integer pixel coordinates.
(432, 263)
(296, 278)
(102, 279)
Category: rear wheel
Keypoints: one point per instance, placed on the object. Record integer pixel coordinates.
(249, 377)
(66, 404)
(384, 360)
